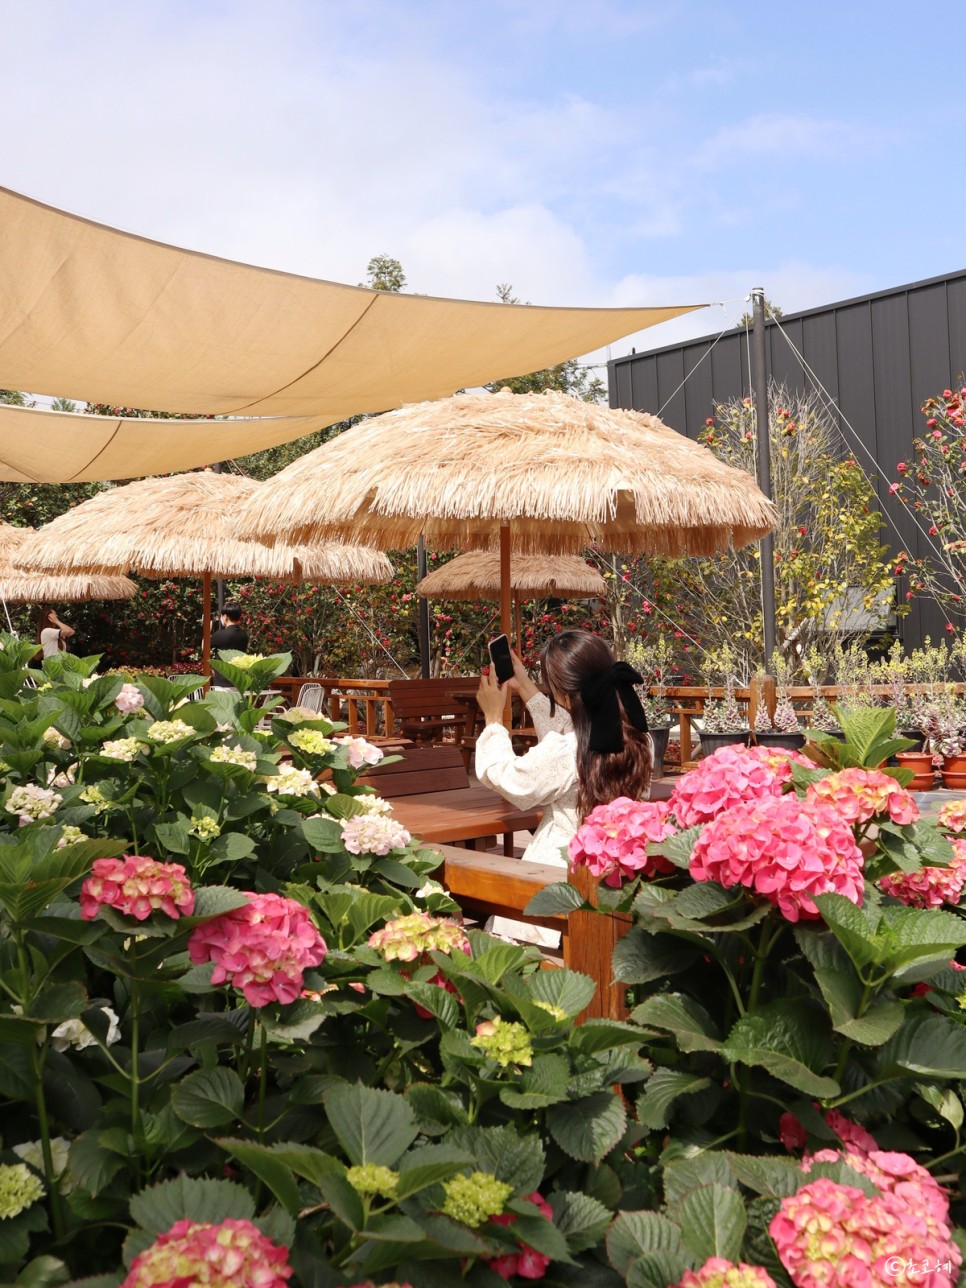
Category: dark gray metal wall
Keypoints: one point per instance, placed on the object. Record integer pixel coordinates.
(878, 356)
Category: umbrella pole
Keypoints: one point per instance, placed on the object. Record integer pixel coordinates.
(506, 624)
(206, 625)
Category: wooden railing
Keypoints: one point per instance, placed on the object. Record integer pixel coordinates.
(366, 705)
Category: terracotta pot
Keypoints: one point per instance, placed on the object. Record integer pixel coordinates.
(920, 762)
(922, 783)
(954, 782)
(955, 764)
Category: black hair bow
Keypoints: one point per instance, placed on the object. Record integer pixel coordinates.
(603, 696)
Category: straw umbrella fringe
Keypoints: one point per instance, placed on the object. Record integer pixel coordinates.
(39, 588)
(567, 474)
(477, 576)
(177, 527)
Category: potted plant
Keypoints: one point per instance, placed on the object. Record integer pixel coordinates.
(946, 736)
(782, 729)
(653, 660)
(722, 721)
(823, 716)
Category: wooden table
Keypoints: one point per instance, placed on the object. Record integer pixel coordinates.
(464, 814)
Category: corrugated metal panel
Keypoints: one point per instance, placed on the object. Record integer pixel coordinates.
(878, 356)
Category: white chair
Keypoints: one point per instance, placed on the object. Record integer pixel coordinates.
(311, 696)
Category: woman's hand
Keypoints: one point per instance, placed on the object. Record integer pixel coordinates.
(521, 682)
(491, 696)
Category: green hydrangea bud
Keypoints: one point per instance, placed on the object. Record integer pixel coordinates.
(474, 1199)
(504, 1041)
(372, 1178)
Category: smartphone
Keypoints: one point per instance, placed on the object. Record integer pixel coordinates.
(499, 650)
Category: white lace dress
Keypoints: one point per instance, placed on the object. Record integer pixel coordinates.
(546, 775)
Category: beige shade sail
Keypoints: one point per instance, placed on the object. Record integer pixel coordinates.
(476, 575)
(177, 527)
(39, 446)
(564, 474)
(93, 313)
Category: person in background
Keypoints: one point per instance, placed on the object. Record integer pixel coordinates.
(592, 740)
(231, 634)
(52, 633)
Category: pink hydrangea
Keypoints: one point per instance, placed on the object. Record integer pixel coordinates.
(612, 841)
(953, 816)
(900, 1176)
(719, 1273)
(360, 751)
(261, 948)
(527, 1263)
(861, 794)
(783, 848)
(411, 937)
(730, 776)
(137, 886)
(930, 887)
(849, 1132)
(129, 699)
(232, 1254)
(373, 834)
(791, 1133)
(834, 1236)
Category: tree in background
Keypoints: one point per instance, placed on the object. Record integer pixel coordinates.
(931, 484)
(829, 558)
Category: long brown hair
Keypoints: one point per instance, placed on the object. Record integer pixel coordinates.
(566, 662)
(43, 622)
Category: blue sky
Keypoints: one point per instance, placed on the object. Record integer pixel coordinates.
(598, 153)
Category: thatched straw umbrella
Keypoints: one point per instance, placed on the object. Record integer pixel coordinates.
(565, 474)
(177, 527)
(477, 576)
(17, 587)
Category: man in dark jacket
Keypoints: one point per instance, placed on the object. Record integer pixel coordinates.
(231, 635)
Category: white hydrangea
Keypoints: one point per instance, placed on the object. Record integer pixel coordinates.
(121, 749)
(70, 836)
(169, 731)
(129, 699)
(312, 741)
(374, 804)
(53, 738)
(75, 1033)
(373, 834)
(290, 781)
(361, 752)
(32, 802)
(235, 756)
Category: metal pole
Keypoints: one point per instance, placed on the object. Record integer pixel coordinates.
(759, 369)
(422, 624)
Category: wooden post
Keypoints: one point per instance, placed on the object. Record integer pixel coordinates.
(506, 624)
(762, 695)
(592, 939)
(206, 625)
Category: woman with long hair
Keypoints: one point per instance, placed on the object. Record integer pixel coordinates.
(592, 740)
(52, 633)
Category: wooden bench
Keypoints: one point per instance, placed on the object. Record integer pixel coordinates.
(490, 885)
(429, 710)
(433, 798)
